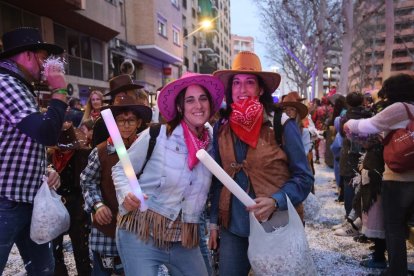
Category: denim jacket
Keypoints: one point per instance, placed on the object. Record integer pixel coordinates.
(170, 185)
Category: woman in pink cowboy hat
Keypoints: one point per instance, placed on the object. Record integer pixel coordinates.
(246, 147)
(176, 183)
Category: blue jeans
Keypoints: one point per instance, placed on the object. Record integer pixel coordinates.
(205, 252)
(99, 270)
(15, 221)
(233, 260)
(349, 192)
(144, 258)
(398, 205)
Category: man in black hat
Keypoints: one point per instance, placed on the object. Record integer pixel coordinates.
(24, 133)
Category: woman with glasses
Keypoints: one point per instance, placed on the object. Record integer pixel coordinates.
(98, 188)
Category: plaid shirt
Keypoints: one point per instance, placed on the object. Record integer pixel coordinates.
(90, 182)
(22, 160)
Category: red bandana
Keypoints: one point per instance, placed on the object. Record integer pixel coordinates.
(246, 120)
(61, 158)
(194, 144)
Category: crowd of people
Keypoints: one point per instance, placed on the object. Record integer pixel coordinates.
(268, 148)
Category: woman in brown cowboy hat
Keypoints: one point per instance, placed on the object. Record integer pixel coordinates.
(245, 146)
(98, 187)
(176, 183)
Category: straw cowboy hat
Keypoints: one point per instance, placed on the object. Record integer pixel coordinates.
(293, 99)
(121, 83)
(126, 103)
(166, 99)
(249, 63)
(26, 39)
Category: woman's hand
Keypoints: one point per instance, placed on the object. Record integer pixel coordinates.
(265, 206)
(131, 202)
(103, 215)
(53, 178)
(212, 241)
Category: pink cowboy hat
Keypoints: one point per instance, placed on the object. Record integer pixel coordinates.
(166, 99)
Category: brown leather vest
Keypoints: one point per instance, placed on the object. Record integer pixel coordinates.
(266, 166)
(107, 188)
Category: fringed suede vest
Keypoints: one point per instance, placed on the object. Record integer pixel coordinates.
(107, 188)
(266, 168)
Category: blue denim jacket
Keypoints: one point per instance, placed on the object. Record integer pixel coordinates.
(297, 187)
(170, 185)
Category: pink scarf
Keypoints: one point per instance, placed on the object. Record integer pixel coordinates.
(194, 144)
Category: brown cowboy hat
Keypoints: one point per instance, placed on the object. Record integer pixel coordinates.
(26, 39)
(293, 99)
(249, 63)
(121, 83)
(127, 103)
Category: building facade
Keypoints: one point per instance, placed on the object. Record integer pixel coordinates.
(368, 50)
(241, 43)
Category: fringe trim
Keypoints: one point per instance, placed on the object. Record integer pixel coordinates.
(163, 230)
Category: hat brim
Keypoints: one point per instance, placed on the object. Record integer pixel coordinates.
(143, 112)
(50, 48)
(166, 98)
(300, 107)
(270, 79)
(127, 87)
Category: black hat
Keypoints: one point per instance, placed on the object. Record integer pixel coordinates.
(128, 103)
(23, 39)
(121, 83)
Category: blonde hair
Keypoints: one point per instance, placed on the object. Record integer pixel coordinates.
(88, 106)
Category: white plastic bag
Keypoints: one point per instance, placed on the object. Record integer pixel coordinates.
(285, 251)
(311, 207)
(50, 217)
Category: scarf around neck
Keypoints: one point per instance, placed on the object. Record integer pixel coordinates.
(194, 144)
(246, 120)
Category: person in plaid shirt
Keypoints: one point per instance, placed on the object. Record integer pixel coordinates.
(96, 181)
(24, 133)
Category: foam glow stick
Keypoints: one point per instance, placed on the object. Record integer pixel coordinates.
(227, 181)
(123, 156)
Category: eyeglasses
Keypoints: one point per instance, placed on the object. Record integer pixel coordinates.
(131, 122)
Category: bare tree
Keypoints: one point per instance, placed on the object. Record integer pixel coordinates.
(301, 35)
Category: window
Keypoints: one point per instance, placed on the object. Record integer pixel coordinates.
(184, 4)
(123, 15)
(176, 36)
(162, 26)
(85, 55)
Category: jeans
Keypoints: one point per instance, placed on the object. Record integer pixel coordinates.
(15, 221)
(233, 260)
(100, 270)
(349, 193)
(398, 204)
(144, 258)
(205, 252)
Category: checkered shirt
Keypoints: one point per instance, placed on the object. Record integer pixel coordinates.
(22, 160)
(90, 183)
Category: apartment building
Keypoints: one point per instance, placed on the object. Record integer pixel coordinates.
(191, 34)
(214, 49)
(241, 43)
(82, 28)
(368, 51)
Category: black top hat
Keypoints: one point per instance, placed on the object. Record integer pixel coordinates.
(121, 83)
(23, 39)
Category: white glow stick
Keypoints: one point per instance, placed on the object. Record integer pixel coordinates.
(123, 156)
(227, 181)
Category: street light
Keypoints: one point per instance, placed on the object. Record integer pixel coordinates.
(329, 69)
(206, 24)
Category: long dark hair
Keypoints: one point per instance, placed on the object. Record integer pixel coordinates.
(179, 104)
(265, 99)
(399, 88)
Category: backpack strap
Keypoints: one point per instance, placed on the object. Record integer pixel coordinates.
(154, 132)
(410, 116)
